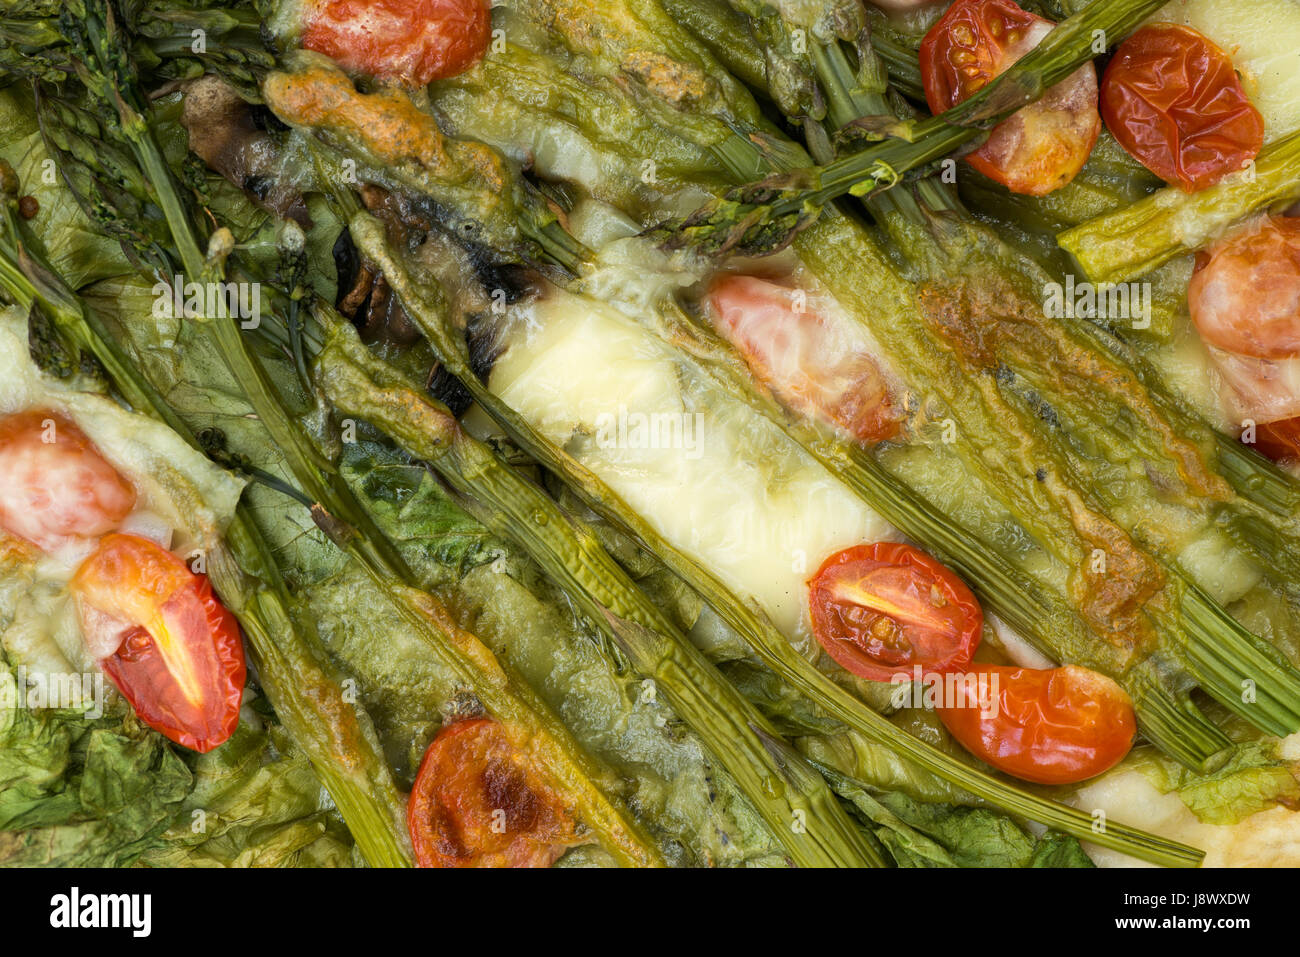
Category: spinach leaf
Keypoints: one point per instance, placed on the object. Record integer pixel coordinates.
(77, 791)
(924, 834)
(1253, 778)
(255, 803)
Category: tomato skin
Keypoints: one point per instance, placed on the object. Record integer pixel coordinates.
(473, 776)
(1279, 440)
(180, 661)
(412, 41)
(52, 493)
(1244, 296)
(810, 365)
(1040, 147)
(1052, 726)
(1173, 101)
(920, 613)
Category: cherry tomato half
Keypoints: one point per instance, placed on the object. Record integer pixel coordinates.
(881, 609)
(179, 660)
(1279, 440)
(1173, 101)
(414, 41)
(1245, 293)
(1040, 147)
(477, 803)
(55, 487)
(1050, 726)
(813, 367)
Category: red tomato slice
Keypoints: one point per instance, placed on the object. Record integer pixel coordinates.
(814, 367)
(179, 659)
(879, 610)
(1245, 294)
(477, 803)
(1279, 440)
(414, 41)
(1052, 726)
(1174, 102)
(55, 487)
(1038, 148)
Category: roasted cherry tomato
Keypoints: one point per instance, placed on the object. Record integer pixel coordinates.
(1173, 101)
(477, 803)
(880, 610)
(1279, 440)
(1244, 299)
(1050, 726)
(1038, 148)
(814, 367)
(1245, 293)
(55, 487)
(179, 660)
(414, 41)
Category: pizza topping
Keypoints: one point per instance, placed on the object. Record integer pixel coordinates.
(1173, 101)
(814, 367)
(163, 638)
(883, 609)
(1040, 147)
(477, 803)
(1049, 726)
(414, 41)
(55, 486)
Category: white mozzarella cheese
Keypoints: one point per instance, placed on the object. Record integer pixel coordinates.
(716, 479)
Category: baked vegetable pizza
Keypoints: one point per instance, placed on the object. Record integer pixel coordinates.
(650, 433)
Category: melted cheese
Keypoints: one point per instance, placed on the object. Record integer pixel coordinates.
(715, 478)
(1269, 838)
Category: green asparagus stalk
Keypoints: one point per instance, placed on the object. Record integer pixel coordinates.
(1131, 241)
(899, 53)
(720, 28)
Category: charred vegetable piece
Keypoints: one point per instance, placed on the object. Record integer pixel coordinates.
(224, 133)
(477, 803)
